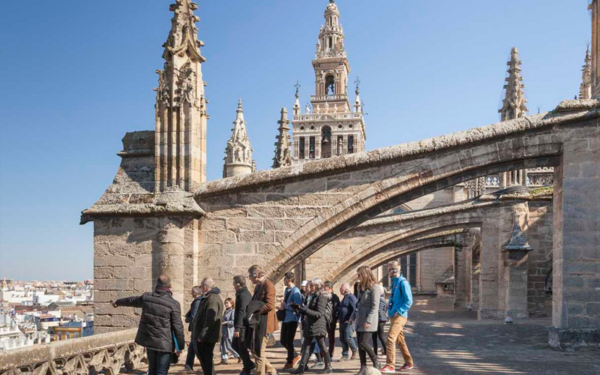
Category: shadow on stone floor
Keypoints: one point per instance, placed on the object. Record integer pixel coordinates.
(444, 341)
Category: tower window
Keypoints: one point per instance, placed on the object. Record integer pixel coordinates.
(311, 148)
(330, 85)
(302, 147)
(326, 142)
(331, 43)
(351, 144)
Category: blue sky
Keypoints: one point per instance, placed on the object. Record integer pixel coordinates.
(75, 76)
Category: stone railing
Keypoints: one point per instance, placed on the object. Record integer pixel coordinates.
(108, 353)
(540, 177)
(328, 97)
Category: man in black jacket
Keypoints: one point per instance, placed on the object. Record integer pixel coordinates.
(160, 325)
(207, 325)
(242, 299)
(189, 318)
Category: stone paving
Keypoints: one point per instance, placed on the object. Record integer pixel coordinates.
(444, 341)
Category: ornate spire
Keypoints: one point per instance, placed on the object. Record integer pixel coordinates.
(180, 137)
(238, 154)
(585, 90)
(283, 152)
(297, 109)
(331, 37)
(514, 103)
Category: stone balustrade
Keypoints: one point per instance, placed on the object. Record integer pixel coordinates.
(108, 353)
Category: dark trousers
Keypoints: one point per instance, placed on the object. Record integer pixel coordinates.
(288, 333)
(191, 356)
(365, 348)
(205, 351)
(158, 362)
(307, 350)
(347, 338)
(379, 335)
(240, 348)
(331, 336)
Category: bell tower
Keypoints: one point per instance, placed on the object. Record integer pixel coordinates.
(333, 128)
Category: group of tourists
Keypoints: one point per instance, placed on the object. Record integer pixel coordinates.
(243, 326)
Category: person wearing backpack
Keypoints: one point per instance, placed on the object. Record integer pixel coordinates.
(316, 325)
(290, 318)
(398, 306)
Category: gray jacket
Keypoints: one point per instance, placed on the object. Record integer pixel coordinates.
(367, 309)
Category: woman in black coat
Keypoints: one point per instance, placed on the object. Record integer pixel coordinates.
(316, 325)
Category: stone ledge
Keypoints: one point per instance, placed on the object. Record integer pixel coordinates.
(174, 203)
(572, 339)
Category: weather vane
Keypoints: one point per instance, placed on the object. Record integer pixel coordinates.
(297, 86)
(357, 83)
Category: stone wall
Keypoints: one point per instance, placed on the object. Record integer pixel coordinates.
(540, 259)
(130, 254)
(433, 263)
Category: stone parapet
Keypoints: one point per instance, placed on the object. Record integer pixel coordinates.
(108, 353)
(571, 339)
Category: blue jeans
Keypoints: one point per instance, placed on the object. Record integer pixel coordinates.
(347, 338)
(158, 362)
(191, 355)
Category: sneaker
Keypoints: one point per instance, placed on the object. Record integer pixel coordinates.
(318, 366)
(354, 355)
(224, 362)
(298, 371)
(189, 370)
(407, 367)
(344, 358)
(327, 370)
(388, 369)
(296, 360)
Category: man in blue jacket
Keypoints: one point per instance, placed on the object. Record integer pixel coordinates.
(398, 306)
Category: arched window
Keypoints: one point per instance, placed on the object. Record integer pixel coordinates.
(325, 142)
(330, 85)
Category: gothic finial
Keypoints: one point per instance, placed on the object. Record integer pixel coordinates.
(514, 103)
(585, 90)
(238, 154)
(283, 152)
(183, 37)
(331, 1)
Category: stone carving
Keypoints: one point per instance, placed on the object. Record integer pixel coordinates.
(105, 353)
